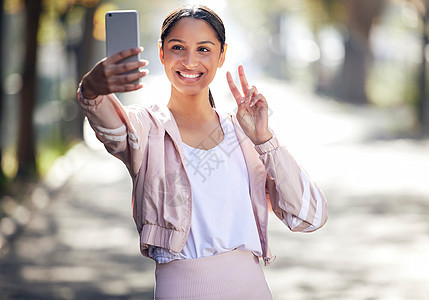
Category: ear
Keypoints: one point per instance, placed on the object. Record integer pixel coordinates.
(161, 53)
(222, 56)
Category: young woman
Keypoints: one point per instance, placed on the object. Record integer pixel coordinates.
(200, 176)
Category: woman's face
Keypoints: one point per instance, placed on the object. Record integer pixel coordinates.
(191, 54)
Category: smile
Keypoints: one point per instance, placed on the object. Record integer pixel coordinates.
(191, 76)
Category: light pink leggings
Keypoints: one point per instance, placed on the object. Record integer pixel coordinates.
(232, 275)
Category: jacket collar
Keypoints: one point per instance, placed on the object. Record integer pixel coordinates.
(166, 118)
(164, 115)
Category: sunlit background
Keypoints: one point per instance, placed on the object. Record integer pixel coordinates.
(346, 82)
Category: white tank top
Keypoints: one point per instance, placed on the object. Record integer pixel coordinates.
(222, 215)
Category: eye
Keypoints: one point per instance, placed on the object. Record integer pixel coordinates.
(177, 47)
(203, 49)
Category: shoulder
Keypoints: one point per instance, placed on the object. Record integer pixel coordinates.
(154, 113)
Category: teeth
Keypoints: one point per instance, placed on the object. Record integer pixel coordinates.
(190, 75)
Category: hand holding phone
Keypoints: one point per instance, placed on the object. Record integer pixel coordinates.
(122, 33)
(120, 70)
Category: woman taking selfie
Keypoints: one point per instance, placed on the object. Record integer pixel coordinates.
(201, 178)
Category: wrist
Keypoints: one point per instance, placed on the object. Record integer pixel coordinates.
(263, 139)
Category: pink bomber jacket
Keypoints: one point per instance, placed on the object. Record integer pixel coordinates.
(148, 141)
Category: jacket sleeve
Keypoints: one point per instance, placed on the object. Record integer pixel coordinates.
(295, 199)
(119, 128)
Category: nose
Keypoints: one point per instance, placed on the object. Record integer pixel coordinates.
(190, 61)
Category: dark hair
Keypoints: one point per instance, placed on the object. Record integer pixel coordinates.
(199, 12)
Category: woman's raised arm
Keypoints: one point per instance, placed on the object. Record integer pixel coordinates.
(116, 126)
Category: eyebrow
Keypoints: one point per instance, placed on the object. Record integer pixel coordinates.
(183, 42)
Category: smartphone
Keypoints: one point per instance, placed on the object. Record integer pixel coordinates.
(122, 32)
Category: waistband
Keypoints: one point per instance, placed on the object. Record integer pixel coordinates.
(232, 275)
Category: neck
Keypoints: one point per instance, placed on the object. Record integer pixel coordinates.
(190, 107)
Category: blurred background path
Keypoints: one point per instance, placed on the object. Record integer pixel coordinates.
(83, 243)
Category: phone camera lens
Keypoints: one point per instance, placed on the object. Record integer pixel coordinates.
(110, 15)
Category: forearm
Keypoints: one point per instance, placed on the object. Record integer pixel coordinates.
(295, 199)
(101, 111)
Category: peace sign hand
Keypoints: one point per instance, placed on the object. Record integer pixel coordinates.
(252, 112)
(107, 75)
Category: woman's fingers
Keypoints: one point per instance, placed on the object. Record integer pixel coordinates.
(243, 80)
(126, 88)
(123, 54)
(108, 74)
(123, 68)
(126, 78)
(250, 93)
(234, 90)
(257, 98)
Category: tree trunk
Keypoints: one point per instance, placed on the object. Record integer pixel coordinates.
(422, 102)
(361, 15)
(26, 134)
(83, 54)
(354, 70)
(2, 176)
